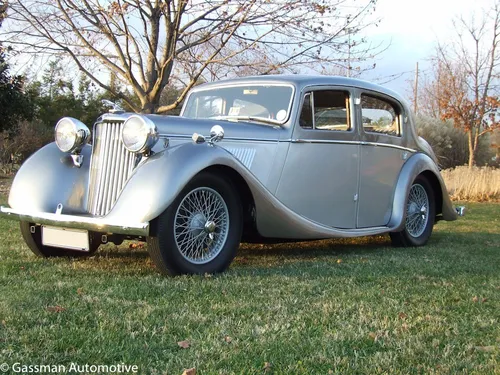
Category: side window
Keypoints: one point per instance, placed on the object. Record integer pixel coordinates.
(326, 110)
(331, 110)
(306, 117)
(379, 116)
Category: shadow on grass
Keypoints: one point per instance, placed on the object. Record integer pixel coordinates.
(365, 254)
(276, 259)
(310, 249)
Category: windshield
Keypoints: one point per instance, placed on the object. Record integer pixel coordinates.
(261, 103)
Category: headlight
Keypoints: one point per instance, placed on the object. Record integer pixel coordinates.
(139, 134)
(71, 135)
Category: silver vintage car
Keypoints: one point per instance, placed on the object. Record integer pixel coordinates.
(257, 159)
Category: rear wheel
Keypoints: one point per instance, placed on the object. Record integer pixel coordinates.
(420, 214)
(32, 235)
(200, 231)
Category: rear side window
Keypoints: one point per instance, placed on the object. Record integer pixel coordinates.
(326, 110)
(379, 116)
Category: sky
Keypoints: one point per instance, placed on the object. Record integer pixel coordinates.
(412, 28)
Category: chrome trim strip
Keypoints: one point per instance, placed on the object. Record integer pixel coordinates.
(299, 140)
(77, 222)
(363, 143)
(377, 144)
(185, 136)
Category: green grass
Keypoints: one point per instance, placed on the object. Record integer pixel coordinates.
(340, 306)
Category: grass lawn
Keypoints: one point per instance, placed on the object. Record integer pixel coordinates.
(357, 306)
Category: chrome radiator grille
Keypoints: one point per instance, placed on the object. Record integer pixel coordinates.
(111, 167)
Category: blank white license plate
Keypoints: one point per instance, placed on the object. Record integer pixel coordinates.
(74, 239)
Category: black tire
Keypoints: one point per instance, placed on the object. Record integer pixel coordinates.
(420, 215)
(216, 245)
(34, 242)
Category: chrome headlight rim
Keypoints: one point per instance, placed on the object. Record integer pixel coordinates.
(80, 135)
(149, 134)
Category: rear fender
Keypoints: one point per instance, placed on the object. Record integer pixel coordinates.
(417, 164)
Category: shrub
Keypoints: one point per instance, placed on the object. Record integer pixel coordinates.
(17, 144)
(451, 144)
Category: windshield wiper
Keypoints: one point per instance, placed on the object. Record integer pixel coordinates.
(249, 118)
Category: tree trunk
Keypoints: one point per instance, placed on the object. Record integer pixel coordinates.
(471, 149)
(149, 108)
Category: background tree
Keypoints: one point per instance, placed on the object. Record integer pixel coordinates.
(14, 104)
(464, 85)
(451, 144)
(145, 43)
(3, 11)
(55, 96)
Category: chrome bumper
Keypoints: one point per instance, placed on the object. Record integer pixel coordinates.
(77, 222)
(460, 210)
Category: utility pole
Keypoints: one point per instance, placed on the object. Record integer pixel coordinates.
(349, 53)
(415, 91)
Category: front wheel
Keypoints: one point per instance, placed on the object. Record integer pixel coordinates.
(420, 214)
(200, 231)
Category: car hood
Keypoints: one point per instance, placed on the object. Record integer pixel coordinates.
(182, 126)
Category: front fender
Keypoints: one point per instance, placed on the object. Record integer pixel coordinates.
(158, 180)
(49, 177)
(415, 165)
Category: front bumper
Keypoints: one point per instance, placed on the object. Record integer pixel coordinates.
(77, 222)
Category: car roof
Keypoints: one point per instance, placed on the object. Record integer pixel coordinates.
(300, 81)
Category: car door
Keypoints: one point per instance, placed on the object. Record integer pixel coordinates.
(320, 176)
(382, 157)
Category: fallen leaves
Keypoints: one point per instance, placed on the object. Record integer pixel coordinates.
(486, 349)
(267, 366)
(377, 336)
(189, 371)
(402, 316)
(184, 344)
(475, 299)
(228, 339)
(55, 309)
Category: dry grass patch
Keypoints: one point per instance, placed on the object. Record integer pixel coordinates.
(473, 184)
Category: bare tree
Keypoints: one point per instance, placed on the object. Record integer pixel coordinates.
(3, 9)
(147, 42)
(465, 87)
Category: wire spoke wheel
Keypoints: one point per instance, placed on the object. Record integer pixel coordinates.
(201, 225)
(417, 211)
(420, 215)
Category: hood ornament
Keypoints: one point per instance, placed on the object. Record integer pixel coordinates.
(115, 107)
